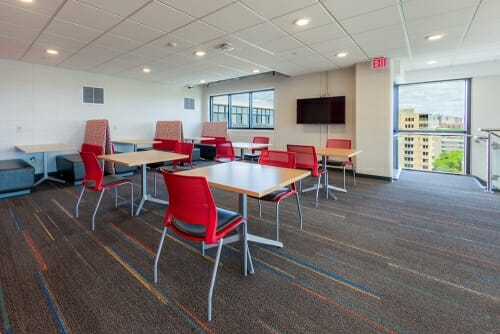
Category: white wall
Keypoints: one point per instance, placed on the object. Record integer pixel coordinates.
(41, 104)
(287, 91)
(374, 119)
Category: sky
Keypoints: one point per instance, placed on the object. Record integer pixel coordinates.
(445, 97)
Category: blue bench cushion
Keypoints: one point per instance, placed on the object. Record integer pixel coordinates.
(16, 175)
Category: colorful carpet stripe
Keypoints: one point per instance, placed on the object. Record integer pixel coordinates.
(14, 217)
(36, 252)
(3, 310)
(48, 299)
(339, 279)
(37, 217)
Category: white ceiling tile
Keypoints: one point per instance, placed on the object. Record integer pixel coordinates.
(154, 15)
(387, 16)
(152, 52)
(87, 16)
(180, 43)
(255, 55)
(115, 42)
(282, 44)
(316, 13)
(118, 7)
(488, 10)
(456, 20)
(17, 31)
(58, 42)
(37, 54)
(135, 31)
(235, 42)
(274, 8)
(485, 27)
(72, 30)
(414, 10)
(114, 66)
(334, 45)
(11, 48)
(198, 32)
(19, 16)
(342, 9)
(232, 18)
(197, 8)
(320, 34)
(41, 7)
(259, 33)
(90, 57)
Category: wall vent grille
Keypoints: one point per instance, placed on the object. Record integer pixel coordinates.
(188, 103)
(93, 95)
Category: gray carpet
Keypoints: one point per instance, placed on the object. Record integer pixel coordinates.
(420, 255)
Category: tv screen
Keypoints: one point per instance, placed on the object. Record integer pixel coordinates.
(321, 110)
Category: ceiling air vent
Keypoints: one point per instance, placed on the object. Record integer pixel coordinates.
(225, 47)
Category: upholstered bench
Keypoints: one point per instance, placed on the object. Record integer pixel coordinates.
(16, 177)
(70, 168)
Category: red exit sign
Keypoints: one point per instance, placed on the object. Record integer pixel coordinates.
(380, 62)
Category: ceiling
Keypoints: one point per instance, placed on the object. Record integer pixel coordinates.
(121, 37)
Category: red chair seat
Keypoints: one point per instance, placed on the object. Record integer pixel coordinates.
(225, 220)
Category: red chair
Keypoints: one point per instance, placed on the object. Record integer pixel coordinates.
(306, 158)
(95, 180)
(341, 143)
(165, 144)
(224, 151)
(256, 152)
(193, 215)
(181, 148)
(279, 159)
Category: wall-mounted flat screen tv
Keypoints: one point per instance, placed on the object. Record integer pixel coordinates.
(321, 110)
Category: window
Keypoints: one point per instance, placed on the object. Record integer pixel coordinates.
(248, 110)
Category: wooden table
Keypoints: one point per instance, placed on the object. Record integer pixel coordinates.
(198, 139)
(142, 158)
(135, 142)
(45, 148)
(248, 179)
(342, 153)
(248, 146)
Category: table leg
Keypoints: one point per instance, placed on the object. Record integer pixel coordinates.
(46, 172)
(144, 191)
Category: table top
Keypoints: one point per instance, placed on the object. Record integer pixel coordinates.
(45, 148)
(137, 141)
(198, 138)
(338, 152)
(130, 159)
(247, 145)
(248, 178)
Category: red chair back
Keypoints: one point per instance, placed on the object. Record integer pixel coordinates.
(184, 148)
(96, 149)
(260, 140)
(277, 158)
(165, 144)
(224, 150)
(217, 139)
(93, 171)
(191, 201)
(306, 157)
(339, 143)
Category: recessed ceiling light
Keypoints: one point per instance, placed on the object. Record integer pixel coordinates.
(52, 51)
(146, 70)
(203, 81)
(302, 21)
(434, 37)
(200, 53)
(256, 70)
(172, 44)
(431, 62)
(27, 1)
(341, 54)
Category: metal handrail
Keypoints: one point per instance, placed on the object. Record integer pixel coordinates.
(490, 132)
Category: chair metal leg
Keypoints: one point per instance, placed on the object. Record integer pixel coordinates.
(212, 282)
(353, 173)
(131, 199)
(300, 209)
(278, 221)
(116, 197)
(260, 208)
(317, 189)
(96, 208)
(79, 199)
(158, 252)
(154, 187)
(344, 175)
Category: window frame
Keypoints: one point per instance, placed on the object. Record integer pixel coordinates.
(251, 108)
